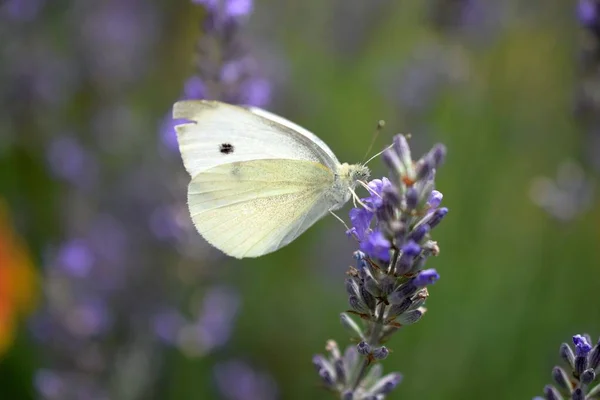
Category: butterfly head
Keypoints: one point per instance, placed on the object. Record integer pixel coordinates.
(346, 179)
(351, 174)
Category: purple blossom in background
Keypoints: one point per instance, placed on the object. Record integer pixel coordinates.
(69, 161)
(76, 257)
(236, 380)
(587, 11)
(21, 10)
(238, 78)
(230, 8)
(122, 254)
(167, 325)
(115, 38)
(256, 92)
(194, 88)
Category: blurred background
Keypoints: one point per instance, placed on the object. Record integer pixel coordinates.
(107, 291)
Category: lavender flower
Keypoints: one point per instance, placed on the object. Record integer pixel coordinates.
(230, 74)
(236, 380)
(388, 286)
(578, 380)
(587, 104)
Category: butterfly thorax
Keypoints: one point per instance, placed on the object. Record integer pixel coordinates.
(346, 178)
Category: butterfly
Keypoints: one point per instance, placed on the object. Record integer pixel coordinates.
(258, 180)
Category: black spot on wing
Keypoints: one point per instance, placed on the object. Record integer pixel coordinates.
(226, 148)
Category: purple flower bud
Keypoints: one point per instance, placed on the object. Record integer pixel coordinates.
(376, 246)
(438, 154)
(578, 394)
(348, 395)
(581, 365)
(424, 167)
(402, 148)
(391, 196)
(594, 357)
(582, 345)
(397, 309)
(588, 376)
(363, 348)
(409, 251)
(381, 353)
(367, 297)
(340, 372)
(386, 384)
(417, 235)
(551, 393)
(410, 317)
(352, 287)
(377, 187)
(392, 161)
(426, 277)
(561, 378)
(435, 199)
(437, 217)
(327, 376)
(320, 362)
(401, 293)
(567, 355)
(412, 198)
(357, 304)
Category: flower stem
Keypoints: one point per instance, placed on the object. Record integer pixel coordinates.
(373, 341)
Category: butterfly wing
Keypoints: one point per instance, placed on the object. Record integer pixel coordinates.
(296, 128)
(218, 133)
(251, 208)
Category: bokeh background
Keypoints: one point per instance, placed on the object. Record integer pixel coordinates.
(107, 292)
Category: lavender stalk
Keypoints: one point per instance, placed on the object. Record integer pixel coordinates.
(388, 287)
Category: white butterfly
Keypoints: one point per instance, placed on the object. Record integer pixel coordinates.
(258, 180)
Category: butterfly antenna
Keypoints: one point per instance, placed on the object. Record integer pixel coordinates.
(339, 219)
(378, 129)
(378, 154)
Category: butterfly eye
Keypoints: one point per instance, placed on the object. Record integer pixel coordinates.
(226, 148)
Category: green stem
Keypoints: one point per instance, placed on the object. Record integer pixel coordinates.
(373, 341)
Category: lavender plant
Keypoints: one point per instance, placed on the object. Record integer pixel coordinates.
(579, 379)
(587, 102)
(387, 288)
(121, 261)
(225, 69)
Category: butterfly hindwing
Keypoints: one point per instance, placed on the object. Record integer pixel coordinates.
(251, 208)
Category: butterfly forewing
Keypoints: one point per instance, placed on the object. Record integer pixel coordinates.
(219, 133)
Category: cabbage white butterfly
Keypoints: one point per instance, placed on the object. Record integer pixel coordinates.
(258, 180)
